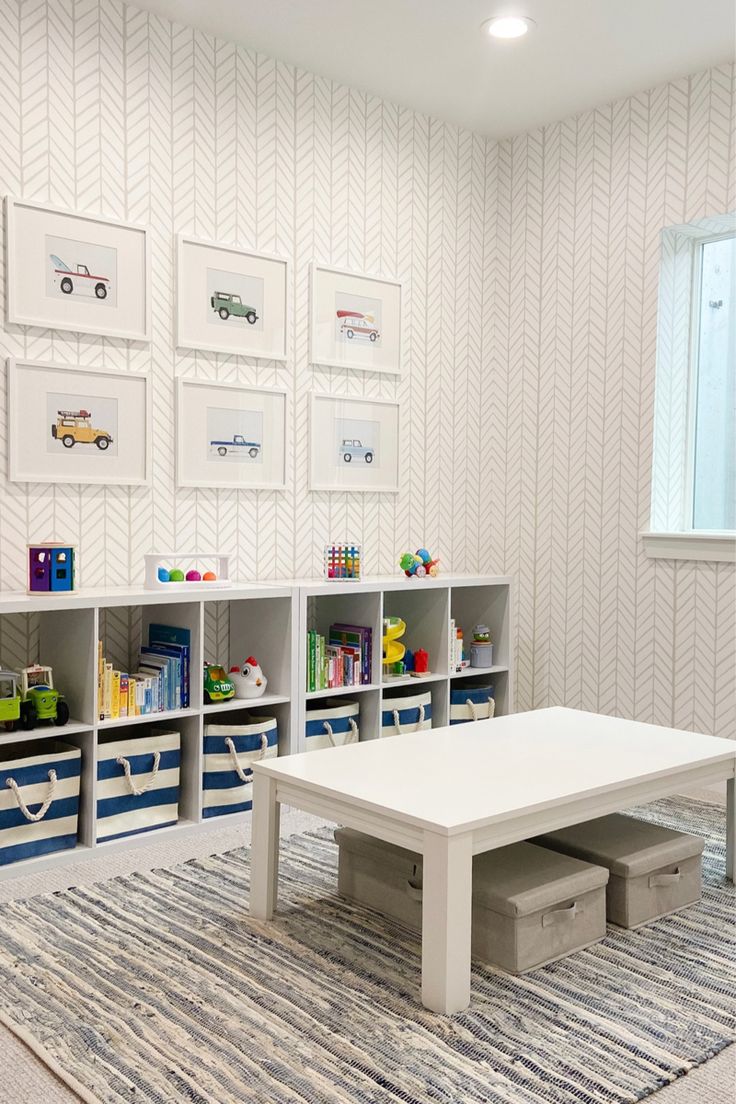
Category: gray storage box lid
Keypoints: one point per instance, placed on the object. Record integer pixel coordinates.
(516, 880)
(629, 848)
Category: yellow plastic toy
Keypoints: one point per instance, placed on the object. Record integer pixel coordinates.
(393, 650)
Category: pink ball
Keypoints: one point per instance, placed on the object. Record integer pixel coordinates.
(193, 576)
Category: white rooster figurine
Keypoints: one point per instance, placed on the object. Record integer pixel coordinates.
(250, 681)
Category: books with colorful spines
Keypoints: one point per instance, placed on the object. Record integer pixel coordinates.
(107, 693)
(179, 640)
(100, 680)
(166, 667)
(132, 696)
(115, 696)
(359, 637)
(310, 660)
(154, 683)
(333, 666)
(123, 694)
(170, 663)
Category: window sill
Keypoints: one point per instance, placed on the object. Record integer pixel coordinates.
(716, 547)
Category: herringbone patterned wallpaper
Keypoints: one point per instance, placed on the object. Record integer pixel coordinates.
(567, 404)
(109, 109)
(530, 272)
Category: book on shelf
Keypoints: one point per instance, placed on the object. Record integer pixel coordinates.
(342, 659)
(161, 683)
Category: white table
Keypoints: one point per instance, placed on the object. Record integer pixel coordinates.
(451, 793)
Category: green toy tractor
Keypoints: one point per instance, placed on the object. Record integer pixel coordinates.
(9, 699)
(39, 700)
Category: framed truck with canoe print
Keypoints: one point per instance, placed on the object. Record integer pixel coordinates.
(355, 320)
(66, 270)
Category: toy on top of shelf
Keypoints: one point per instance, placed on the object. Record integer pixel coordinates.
(179, 571)
(481, 649)
(421, 662)
(342, 561)
(419, 564)
(218, 686)
(40, 701)
(10, 699)
(51, 568)
(249, 679)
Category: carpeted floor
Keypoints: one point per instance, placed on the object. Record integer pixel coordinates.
(182, 994)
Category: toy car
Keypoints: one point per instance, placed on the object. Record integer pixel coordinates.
(40, 702)
(350, 450)
(236, 444)
(75, 427)
(9, 699)
(225, 304)
(217, 685)
(78, 279)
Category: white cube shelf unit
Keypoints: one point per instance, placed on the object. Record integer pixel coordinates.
(62, 631)
(269, 621)
(426, 606)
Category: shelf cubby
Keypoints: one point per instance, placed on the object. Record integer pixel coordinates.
(425, 612)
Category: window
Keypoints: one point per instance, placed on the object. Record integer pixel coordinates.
(714, 386)
(694, 461)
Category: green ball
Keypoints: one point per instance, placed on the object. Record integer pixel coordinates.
(176, 576)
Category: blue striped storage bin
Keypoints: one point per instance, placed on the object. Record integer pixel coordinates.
(39, 799)
(137, 783)
(471, 703)
(229, 754)
(331, 723)
(401, 713)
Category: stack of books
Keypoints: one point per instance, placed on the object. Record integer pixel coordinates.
(160, 684)
(344, 658)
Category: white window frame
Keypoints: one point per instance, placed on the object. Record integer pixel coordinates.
(671, 534)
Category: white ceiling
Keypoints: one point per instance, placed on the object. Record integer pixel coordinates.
(431, 55)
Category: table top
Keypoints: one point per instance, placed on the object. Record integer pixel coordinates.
(464, 776)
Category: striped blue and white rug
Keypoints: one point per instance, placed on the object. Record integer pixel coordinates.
(158, 987)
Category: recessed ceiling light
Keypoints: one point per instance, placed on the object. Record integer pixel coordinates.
(507, 26)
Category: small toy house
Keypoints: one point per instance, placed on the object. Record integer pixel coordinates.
(50, 567)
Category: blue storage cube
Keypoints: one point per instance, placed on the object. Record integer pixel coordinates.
(405, 712)
(137, 783)
(39, 799)
(331, 723)
(471, 703)
(229, 754)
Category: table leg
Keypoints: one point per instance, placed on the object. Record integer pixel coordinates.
(264, 852)
(731, 829)
(446, 922)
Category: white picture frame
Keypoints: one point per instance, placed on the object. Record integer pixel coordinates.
(70, 270)
(353, 444)
(240, 434)
(355, 320)
(78, 424)
(257, 286)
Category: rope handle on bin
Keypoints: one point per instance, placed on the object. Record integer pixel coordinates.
(331, 734)
(473, 707)
(138, 790)
(245, 775)
(33, 817)
(397, 722)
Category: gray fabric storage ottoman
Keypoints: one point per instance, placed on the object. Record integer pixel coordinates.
(654, 870)
(530, 905)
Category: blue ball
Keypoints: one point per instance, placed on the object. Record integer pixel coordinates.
(423, 555)
(163, 575)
